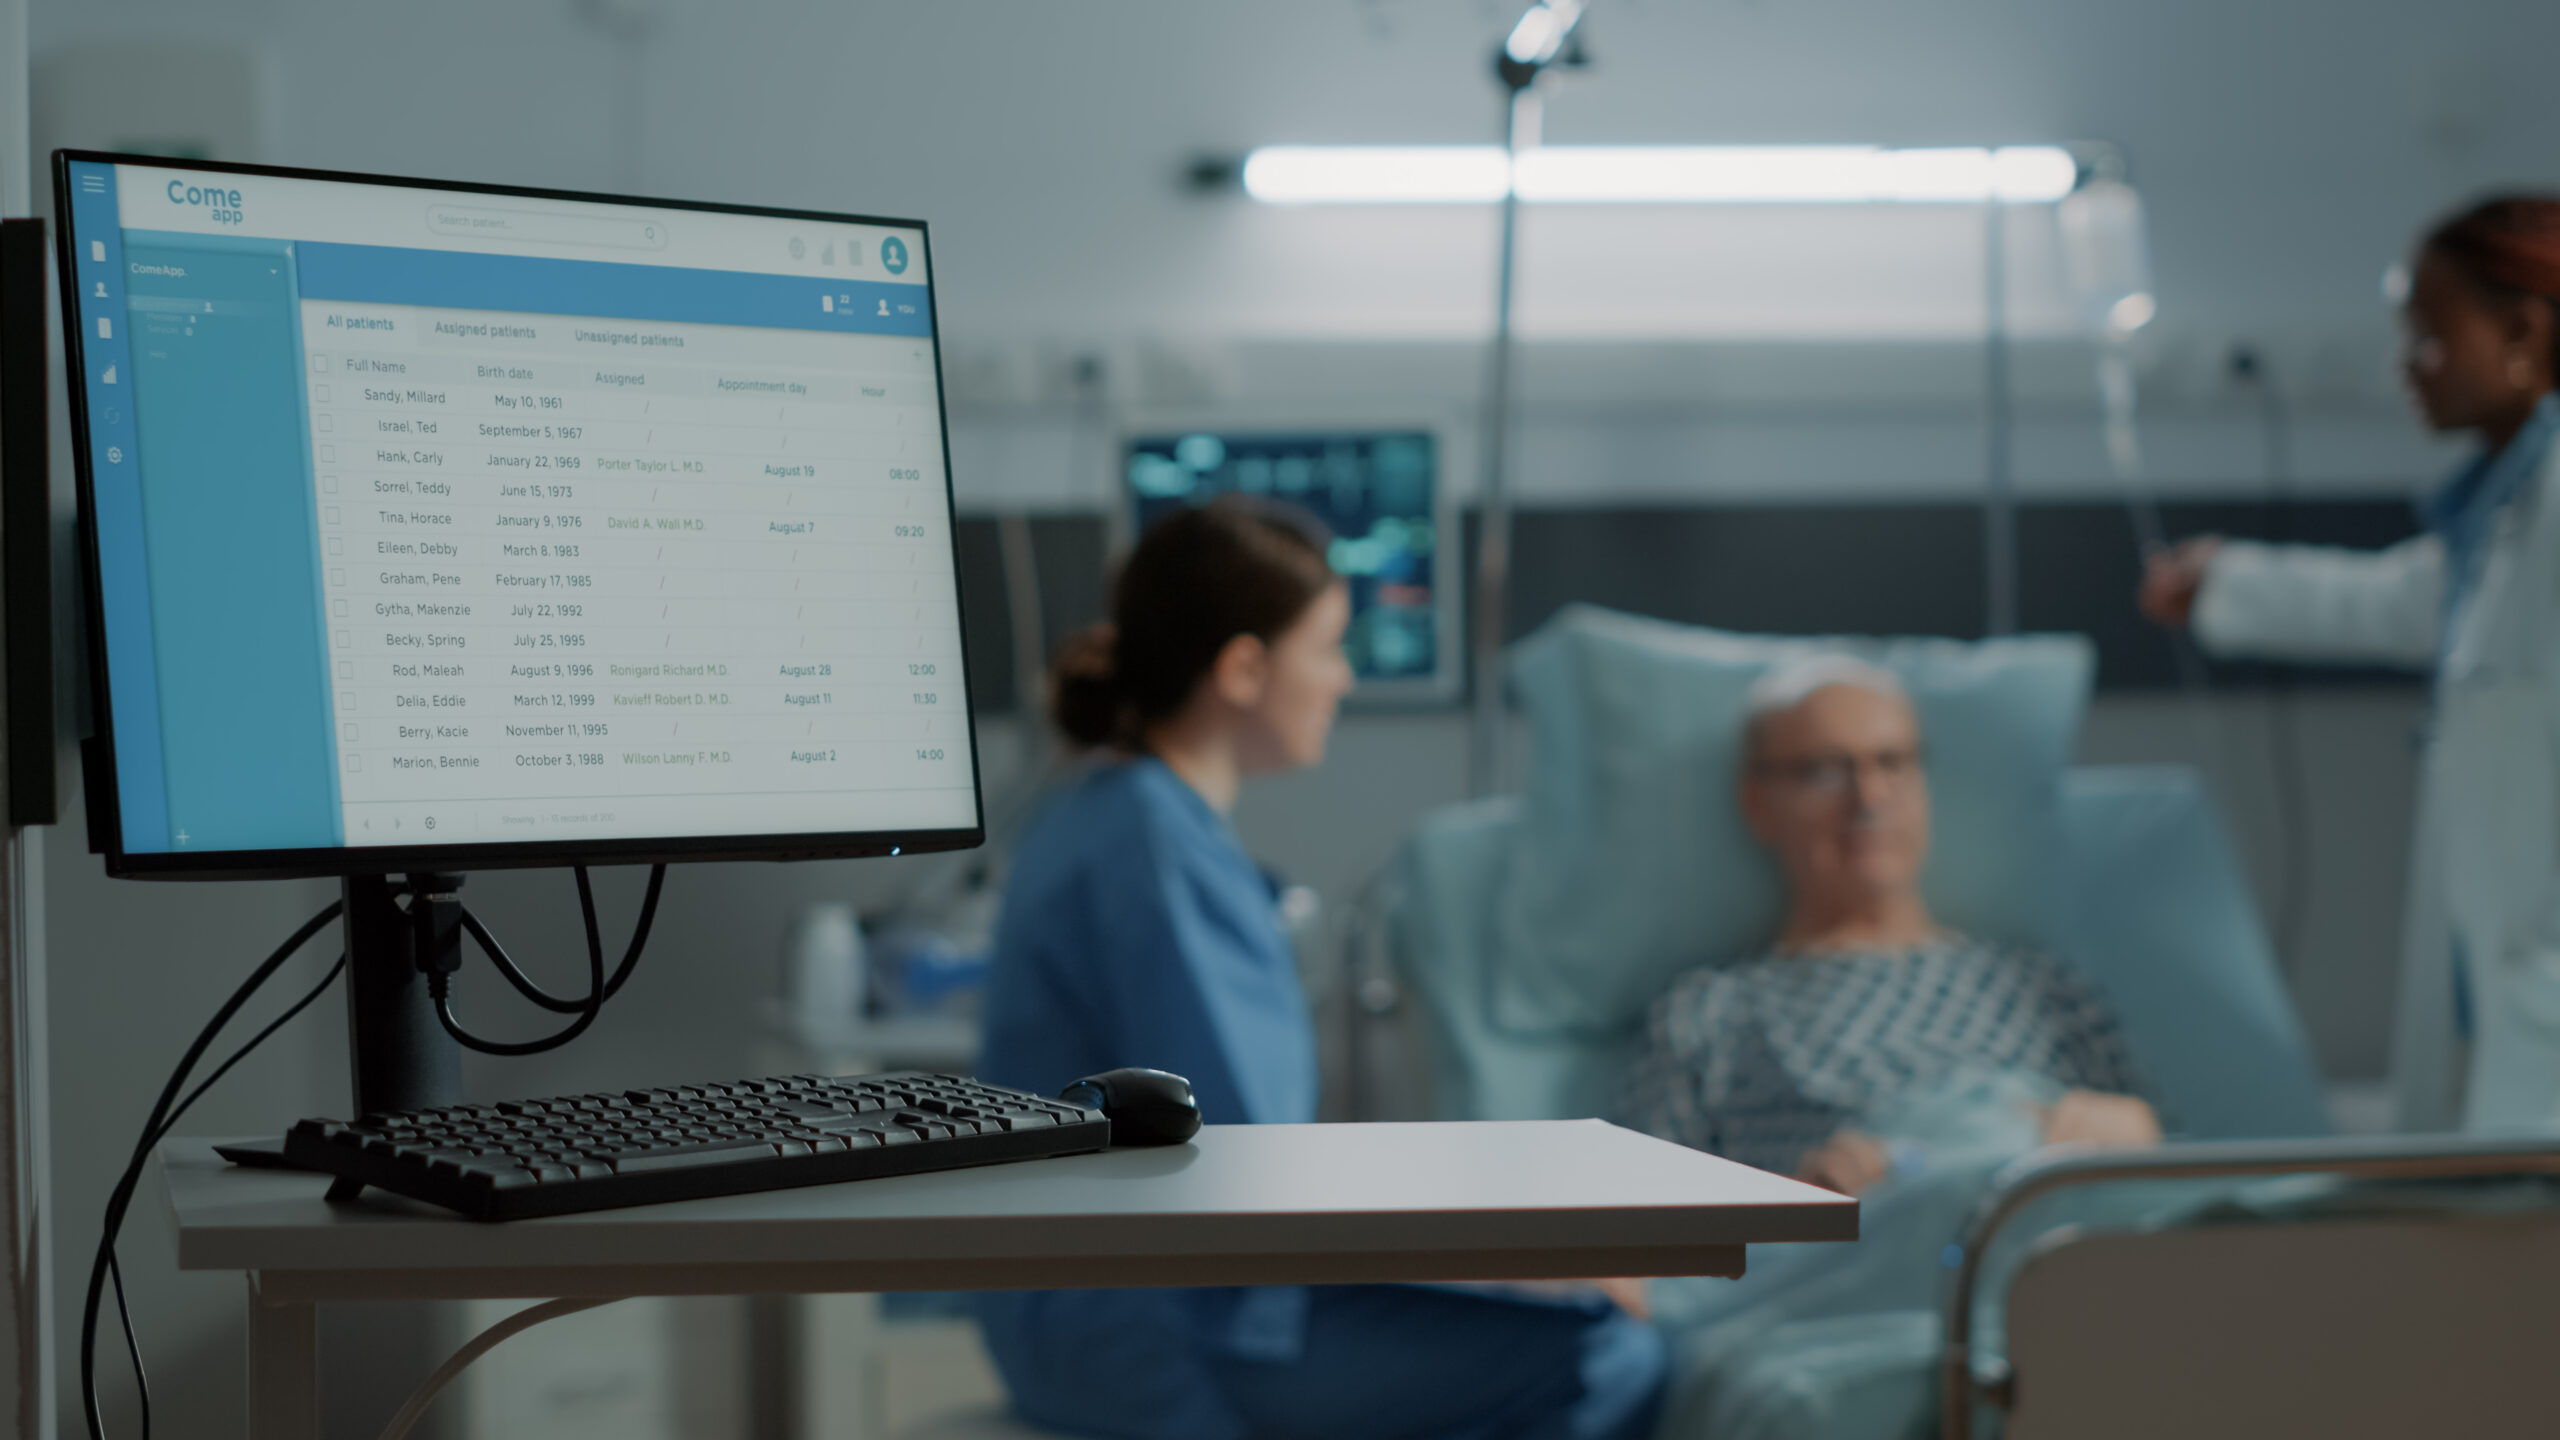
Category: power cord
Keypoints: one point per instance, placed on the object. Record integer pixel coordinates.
(106, 1274)
(132, 1348)
(115, 1271)
(164, 1113)
(479, 1345)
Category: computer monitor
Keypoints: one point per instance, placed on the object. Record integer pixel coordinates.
(440, 527)
(1377, 489)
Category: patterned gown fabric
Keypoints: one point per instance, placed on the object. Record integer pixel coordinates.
(1762, 1061)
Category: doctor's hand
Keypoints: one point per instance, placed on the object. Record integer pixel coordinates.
(2171, 578)
(2115, 1122)
(1848, 1162)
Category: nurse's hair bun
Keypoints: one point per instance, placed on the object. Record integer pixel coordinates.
(1200, 577)
(1084, 688)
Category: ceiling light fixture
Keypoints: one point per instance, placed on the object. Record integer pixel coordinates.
(1658, 175)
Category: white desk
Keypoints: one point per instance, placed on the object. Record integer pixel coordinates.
(1241, 1205)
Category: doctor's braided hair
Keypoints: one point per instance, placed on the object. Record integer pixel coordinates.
(2508, 245)
(1199, 578)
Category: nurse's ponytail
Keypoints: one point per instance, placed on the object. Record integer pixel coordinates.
(1198, 579)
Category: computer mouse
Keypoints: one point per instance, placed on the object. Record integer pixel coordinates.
(1145, 1107)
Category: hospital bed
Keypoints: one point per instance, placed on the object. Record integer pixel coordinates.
(2157, 912)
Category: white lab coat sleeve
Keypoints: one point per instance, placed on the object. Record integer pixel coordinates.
(2317, 603)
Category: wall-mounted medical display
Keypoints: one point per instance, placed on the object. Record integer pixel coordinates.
(1377, 492)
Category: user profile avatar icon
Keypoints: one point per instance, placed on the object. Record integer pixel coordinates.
(893, 255)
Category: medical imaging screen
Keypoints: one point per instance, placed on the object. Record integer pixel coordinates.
(444, 517)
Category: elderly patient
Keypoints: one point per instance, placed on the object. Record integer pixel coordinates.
(1790, 1060)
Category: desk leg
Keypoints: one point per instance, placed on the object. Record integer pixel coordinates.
(284, 1368)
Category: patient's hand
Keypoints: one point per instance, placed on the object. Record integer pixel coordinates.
(1629, 1295)
(2108, 1121)
(2171, 578)
(1848, 1162)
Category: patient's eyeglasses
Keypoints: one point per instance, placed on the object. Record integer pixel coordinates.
(1830, 776)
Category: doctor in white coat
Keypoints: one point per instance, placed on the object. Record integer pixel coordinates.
(2475, 601)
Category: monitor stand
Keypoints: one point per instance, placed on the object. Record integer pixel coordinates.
(400, 1057)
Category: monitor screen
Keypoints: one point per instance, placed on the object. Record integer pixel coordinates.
(436, 527)
(1375, 491)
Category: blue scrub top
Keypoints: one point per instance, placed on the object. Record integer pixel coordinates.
(1137, 932)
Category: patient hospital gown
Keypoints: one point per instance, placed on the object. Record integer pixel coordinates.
(1137, 932)
(1762, 1061)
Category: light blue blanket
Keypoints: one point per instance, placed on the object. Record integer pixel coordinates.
(1840, 1342)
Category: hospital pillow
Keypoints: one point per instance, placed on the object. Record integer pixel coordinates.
(1632, 862)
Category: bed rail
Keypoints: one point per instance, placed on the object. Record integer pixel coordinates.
(2393, 1157)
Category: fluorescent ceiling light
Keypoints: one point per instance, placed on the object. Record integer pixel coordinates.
(1658, 175)
(1377, 174)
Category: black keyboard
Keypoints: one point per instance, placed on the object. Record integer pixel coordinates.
(522, 1158)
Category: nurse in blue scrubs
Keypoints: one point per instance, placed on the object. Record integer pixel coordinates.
(1137, 932)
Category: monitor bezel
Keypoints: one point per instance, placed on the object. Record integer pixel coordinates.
(331, 861)
(1452, 440)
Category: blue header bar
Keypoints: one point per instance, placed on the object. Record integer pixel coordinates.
(460, 280)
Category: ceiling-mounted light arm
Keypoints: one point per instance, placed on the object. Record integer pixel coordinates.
(1543, 39)
(1545, 36)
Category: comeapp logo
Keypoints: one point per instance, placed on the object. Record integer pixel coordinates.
(223, 206)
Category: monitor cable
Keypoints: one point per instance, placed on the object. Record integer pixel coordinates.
(115, 1271)
(107, 1275)
(425, 1395)
(104, 1272)
(440, 968)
